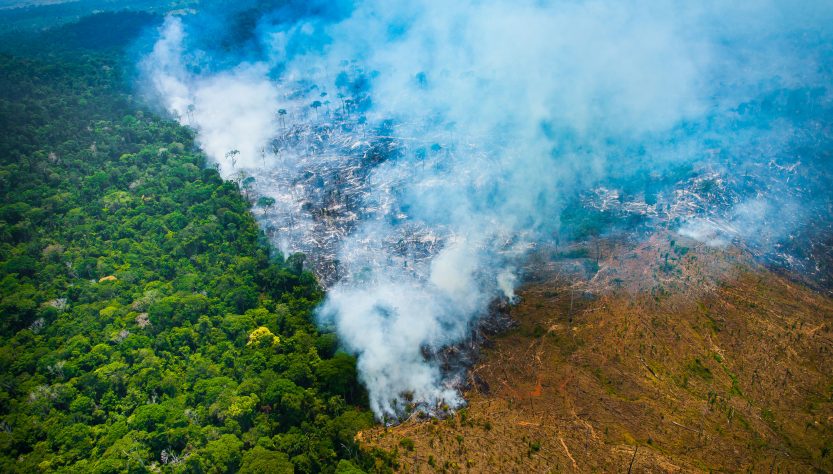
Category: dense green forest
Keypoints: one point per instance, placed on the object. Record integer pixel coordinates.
(146, 323)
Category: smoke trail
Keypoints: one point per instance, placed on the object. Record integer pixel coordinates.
(417, 150)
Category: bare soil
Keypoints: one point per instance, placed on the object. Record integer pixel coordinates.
(667, 360)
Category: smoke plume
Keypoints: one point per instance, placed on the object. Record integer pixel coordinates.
(417, 150)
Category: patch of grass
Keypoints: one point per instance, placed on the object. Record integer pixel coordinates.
(742, 420)
(697, 369)
(407, 443)
(735, 384)
(533, 447)
(768, 416)
(608, 384)
(713, 325)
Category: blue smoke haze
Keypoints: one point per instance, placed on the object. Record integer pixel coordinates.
(422, 148)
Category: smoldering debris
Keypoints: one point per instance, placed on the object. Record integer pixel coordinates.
(417, 151)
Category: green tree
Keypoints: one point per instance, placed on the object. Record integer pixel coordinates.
(260, 460)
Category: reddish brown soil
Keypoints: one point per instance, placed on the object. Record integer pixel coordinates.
(694, 367)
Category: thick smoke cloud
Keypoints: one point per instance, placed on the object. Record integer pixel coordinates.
(465, 128)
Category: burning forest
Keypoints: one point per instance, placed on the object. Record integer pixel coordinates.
(416, 156)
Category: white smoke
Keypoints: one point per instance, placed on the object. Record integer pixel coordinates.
(232, 110)
(500, 109)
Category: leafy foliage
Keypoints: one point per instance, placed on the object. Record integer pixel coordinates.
(146, 324)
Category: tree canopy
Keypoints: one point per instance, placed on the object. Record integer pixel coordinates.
(146, 322)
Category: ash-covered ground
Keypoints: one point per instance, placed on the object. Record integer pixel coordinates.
(319, 185)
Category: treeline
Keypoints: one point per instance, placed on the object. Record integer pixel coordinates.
(146, 323)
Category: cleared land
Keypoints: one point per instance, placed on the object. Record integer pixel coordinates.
(670, 359)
